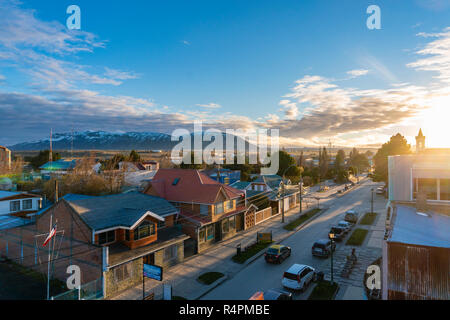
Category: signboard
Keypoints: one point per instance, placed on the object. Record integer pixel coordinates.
(264, 236)
(153, 272)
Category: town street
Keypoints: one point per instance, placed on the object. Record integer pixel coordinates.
(260, 276)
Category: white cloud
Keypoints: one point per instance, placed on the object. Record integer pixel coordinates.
(357, 72)
(211, 105)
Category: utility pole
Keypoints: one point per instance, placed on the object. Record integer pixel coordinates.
(300, 186)
(282, 200)
(371, 204)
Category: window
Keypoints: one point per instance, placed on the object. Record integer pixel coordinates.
(27, 204)
(229, 204)
(145, 229)
(127, 235)
(428, 186)
(219, 208)
(123, 272)
(445, 189)
(15, 206)
(162, 224)
(202, 235)
(209, 232)
(233, 223)
(225, 226)
(170, 252)
(204, 210)
(107, 237)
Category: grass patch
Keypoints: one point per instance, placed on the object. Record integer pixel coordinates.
(209, 277)
(295, 223)
(324, 290)
(251, 251)
(368, 218)
(357, 237)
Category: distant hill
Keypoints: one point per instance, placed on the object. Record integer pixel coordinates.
(101, 140)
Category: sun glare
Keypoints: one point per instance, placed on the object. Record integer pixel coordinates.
(436, 123)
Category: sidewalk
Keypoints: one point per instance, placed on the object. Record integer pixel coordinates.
(183, 277)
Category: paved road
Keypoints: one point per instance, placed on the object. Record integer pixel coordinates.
(260, 276)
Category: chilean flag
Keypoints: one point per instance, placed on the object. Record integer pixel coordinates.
(50, 235)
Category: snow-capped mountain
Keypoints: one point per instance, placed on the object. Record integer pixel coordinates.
(101, 140)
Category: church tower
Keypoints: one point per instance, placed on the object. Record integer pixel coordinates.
(420, 142)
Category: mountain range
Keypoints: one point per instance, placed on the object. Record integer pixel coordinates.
(101, 140)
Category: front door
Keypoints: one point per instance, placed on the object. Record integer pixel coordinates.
(218, 231)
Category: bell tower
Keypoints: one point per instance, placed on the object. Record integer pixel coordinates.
(420, 142)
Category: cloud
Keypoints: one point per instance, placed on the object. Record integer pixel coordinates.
(437, 54)
(290, 109)
(186, 42)
(379, 68)
(357, 73)
(209, 105)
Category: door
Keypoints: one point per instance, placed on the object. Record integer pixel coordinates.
(218, 231)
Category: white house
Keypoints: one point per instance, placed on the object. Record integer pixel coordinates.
(19, 203)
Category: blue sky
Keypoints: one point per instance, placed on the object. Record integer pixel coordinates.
(309, 68)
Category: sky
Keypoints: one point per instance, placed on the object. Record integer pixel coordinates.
(311, 69)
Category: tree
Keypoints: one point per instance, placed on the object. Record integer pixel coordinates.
(397, 145)
(134, 156)
(288, 167)
(340, 172)
(323, 163)
(42, 158)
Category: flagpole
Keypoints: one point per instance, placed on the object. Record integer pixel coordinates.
(48, 263)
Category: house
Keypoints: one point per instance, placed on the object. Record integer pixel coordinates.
(59, 167)
(209, 211)
(150, 165)
(131, 228)
(5, 158)
(225, 176)
(19, 203)
(280, 191)
(416, 259)
(416, 254)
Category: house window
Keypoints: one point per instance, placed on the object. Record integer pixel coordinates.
(162, 224)
(204, 210)
(170, 252)
(445, 189)
(15, 206)
(225, 226)
(209, 232)
(127, 235)
(123, 272)
(229, 204)
(233, 223)
(27, 204)
(106, 237)
(202, 235)
(146, 229)
(219, 208)
(428, 186)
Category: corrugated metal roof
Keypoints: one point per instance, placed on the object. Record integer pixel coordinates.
(413, 228)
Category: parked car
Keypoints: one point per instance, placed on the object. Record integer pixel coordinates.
(298, 277)
(277, 253)
(351, 216)
(322, 248)
(346, 225)
(339, 233)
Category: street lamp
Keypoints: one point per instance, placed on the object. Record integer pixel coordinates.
(300, 186)
(331, 236)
